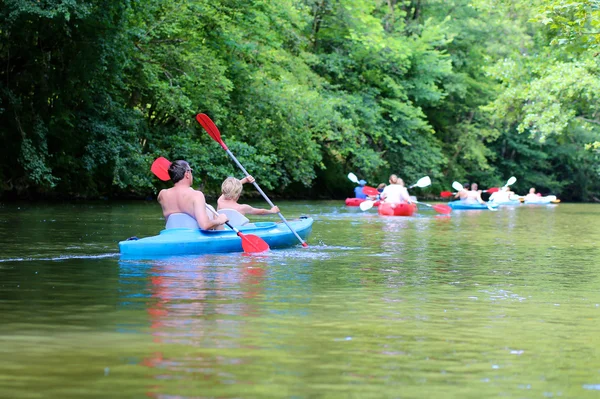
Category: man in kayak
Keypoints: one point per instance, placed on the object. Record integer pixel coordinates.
(474, 195)
(395, 192)
(464, 193)
(231, 189)
(183, 206)
(532, 196)
(358, 191)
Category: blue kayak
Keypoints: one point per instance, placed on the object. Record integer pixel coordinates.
(463, 205)
(180, 241)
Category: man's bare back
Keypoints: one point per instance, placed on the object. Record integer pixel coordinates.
(183, 199)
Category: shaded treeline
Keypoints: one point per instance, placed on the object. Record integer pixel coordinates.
(303, 91)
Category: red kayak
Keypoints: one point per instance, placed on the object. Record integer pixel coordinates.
(402, 209)
(357, 202)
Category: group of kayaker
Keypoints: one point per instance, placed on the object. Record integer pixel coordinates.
(502, 196)
(183, 206)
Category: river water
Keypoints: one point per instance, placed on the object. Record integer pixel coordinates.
(478, 304)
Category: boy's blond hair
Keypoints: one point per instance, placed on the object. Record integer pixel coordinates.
(231, 188)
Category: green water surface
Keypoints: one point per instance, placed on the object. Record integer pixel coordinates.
(476, 305)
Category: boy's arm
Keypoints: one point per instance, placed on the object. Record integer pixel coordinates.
(247, 179)
(249, 210)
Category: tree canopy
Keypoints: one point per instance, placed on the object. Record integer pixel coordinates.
(303, 92)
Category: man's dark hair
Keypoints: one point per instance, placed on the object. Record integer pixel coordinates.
(177, 170)
(466, 186)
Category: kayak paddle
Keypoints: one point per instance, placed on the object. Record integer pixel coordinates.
(422, 182)
(160, 168)
(366, 205)
(370, 191)
(446, 194)
(250, 242)
(439, 208)
(214, 133)
(353, 178)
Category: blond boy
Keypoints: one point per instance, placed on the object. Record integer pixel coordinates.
(231, 189)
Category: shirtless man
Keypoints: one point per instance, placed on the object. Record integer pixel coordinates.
(183, 199)
(231, 189)
(464, 193)
(474, 195)
(532, 196)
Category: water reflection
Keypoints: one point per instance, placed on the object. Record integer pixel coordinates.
(200, 302)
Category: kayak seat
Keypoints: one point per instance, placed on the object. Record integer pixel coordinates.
(236, 219)
(181, 221)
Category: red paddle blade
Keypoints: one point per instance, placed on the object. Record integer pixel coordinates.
(160, 168)
(252, 243)
(441, 208)
(210, 128)
(446, 194)
(492, 190)
(370, 191)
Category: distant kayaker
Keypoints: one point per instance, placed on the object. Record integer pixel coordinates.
(532, 195)
(183, 206)
(231, 189)
(474, 195)
(395, 192)
(358, 191)
(463, 194)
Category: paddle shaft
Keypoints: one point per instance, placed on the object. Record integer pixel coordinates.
(304, 244)
(239, 233)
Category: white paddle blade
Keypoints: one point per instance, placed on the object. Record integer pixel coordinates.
(492, 208)
(366, 205)
(511, 181)
(353, 177)
(423, 182)
(457, 186)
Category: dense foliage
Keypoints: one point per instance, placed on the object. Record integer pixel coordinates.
(303, 91)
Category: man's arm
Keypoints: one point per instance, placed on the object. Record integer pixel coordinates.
(201, 216)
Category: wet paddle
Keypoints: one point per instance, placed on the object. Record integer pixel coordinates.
(214, 133)
(439, 208)
(250, 242)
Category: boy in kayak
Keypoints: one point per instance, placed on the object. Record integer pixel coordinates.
(395, 192)
(231, 189)
(183, 206)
